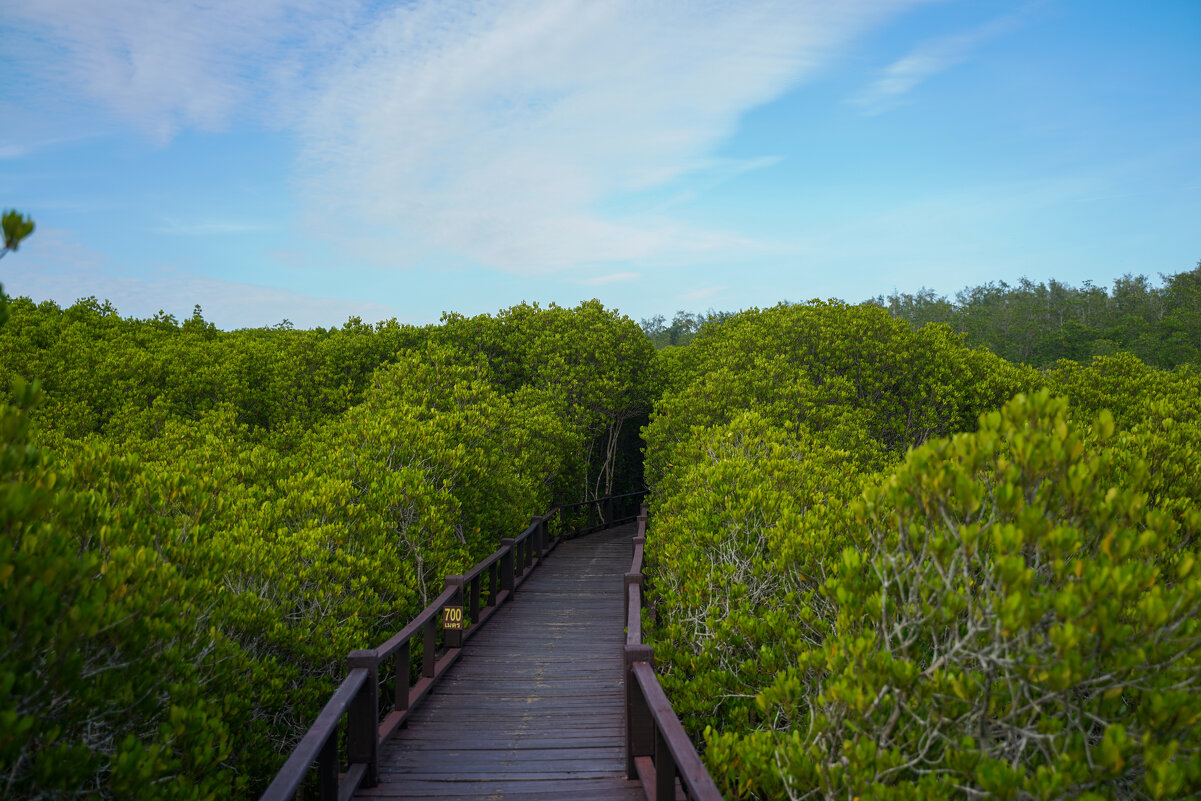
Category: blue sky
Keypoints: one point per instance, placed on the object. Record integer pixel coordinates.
(315, 160)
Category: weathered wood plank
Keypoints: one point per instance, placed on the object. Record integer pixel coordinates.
(534, 708)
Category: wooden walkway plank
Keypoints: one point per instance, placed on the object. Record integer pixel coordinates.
(534, 707)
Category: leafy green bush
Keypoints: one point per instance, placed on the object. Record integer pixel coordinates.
(110, 666)
(199, 525)
(853, 600)
(596, 364)
(870, 381)
(1011, 631)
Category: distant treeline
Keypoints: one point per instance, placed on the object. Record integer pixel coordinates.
(1037, 323)
(683, 327)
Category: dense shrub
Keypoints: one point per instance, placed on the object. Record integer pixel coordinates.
(851, 599)
(1017, 627)
(199, 525)
(112, 669)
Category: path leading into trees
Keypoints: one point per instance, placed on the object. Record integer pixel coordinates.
(534, 709)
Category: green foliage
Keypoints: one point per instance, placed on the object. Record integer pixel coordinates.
(16, 227)
(106, 647)
(124, 377)
(739, 551)
(199, 525)
(1018, 627)
(1040, 324)
(594, 363)
(871, 383)
(855, 597)
(683, 329)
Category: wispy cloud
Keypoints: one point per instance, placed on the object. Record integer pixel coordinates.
(499, 129)
(492, 131)
(21, 149)
(709, 174)
(612, 278)
(702, 293)
(925, 61)
(208, 227)
(165, 66)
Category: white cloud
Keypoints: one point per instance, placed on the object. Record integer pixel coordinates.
(702, 293)
(925, 61)
(171, 225)
(165, 66)
(28, 144)
(55, 267)
(15, 151)
(612, 278)
(498, 130)
(488, 131)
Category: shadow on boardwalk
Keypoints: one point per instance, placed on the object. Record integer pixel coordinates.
(534, 707)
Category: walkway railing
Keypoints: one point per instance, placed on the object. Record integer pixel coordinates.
(657, 749)
(444, 626)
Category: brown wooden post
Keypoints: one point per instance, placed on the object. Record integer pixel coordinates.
(453, 638)
(362, 723)
(400, 701)
(429, 647)
(608, 521)
(643, 584)
(665, 770)
(640, 726)
(536, 537)
(494, 581)
(631, 580)
(474, 599)
(506, 565)
(327, 769)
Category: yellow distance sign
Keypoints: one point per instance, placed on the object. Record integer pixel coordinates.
(452, 618)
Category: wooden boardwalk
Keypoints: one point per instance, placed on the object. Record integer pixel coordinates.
(534, 708)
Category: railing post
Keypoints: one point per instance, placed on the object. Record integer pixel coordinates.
(473, 602)
(506, 565)
(453, 638)
(362, 722)
(608, 521)
(494, 581)
(400, 700)
(429, 648)
(536, 537)
(631, 580)
(640, 726)
(665, 770)
(327, 769)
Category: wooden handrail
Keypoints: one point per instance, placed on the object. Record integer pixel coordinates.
(416, 624)
(601, 512)
(357, 697)
(313, 745)
(658, 751)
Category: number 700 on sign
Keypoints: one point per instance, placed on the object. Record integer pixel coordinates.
(452, 617)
